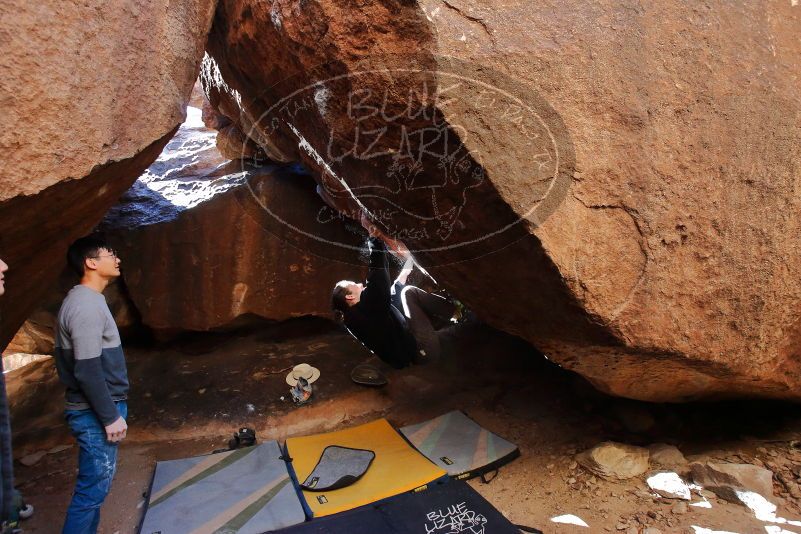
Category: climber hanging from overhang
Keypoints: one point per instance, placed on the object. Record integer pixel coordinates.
(396, 321)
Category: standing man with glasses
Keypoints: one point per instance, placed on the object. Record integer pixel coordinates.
(91, 365)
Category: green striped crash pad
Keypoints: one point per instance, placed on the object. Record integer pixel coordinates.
(459, 445)
(247, 491)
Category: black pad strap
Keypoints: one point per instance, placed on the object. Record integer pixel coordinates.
(487, 480)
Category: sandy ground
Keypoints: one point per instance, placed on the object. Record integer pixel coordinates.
(189, 396)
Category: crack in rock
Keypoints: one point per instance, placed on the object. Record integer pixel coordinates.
(476, 20)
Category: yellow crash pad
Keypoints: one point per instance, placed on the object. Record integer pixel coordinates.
(397, 467)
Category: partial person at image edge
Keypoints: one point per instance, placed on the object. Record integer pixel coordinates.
(6, 456)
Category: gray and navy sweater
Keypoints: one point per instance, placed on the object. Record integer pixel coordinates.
(89, 354)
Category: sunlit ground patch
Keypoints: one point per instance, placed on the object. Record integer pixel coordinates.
(702, 530)
(16, 360)
(669, 484)
(703, 503)
(763, 509)
(773, 529)
(569, 519)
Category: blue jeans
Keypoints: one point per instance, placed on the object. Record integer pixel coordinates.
(97, 463)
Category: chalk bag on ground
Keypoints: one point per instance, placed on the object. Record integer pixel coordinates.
(301, 392)
(244, 437)
(338, 467)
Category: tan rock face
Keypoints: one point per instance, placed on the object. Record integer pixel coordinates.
(615, 461)
(35, 337)
(614, 182)
(666, 455)
(212, 118)
(233, 145)
(92, 92)
(63, 63)
(231, 142)
(204, 243)
(237, 121)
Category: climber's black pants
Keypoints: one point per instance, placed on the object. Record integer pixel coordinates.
(425, 314)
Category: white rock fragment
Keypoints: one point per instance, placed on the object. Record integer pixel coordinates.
(669, 485)
(773, 529)
(569, 519)
(702, 504)
(702, 530)
(763, 509)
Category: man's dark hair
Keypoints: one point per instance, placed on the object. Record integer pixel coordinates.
(338, 302)
(83, 248)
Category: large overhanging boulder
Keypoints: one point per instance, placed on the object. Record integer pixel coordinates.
(615, 181)
(207, 243)
(91, 92)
